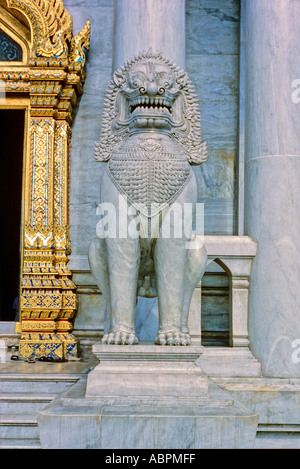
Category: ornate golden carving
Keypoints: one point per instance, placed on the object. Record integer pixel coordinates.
(51, 25)
(53, 78)
(80, 41)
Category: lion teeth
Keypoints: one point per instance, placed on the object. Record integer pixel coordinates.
(153, 104)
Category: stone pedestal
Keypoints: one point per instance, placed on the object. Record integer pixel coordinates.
(146, 397)
(136, 373)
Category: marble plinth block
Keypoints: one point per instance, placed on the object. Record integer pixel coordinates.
(146, 397)
(138, 372)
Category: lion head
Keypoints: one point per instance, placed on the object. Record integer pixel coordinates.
(150, 93)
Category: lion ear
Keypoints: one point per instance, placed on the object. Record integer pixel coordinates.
(118, 78)
(181, 79)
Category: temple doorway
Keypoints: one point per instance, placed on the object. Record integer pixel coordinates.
(11, 163)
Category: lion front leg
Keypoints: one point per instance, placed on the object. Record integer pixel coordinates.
(170, 266)
(114, 265)
(123, 263)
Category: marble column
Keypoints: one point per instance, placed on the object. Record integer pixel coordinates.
(141, 24)
(272, 176)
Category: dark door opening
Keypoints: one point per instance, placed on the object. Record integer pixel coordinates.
(11, 163)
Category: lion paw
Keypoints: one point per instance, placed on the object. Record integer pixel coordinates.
(172, 338)
(120, 337)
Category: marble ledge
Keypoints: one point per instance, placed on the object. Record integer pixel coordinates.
(217, 246)
(236, 246)
(147, 352)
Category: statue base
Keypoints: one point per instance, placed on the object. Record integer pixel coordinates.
(146, 397)
(135, 372)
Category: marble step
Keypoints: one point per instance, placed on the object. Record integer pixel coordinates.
(278, 437)
(18, 426)
(23, 393)
(229, 362)
(19, 403)
(45, 383)
(15, 443)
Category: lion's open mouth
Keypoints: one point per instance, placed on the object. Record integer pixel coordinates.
(149, 103)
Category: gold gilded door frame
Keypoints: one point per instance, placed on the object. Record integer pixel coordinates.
(50, 81)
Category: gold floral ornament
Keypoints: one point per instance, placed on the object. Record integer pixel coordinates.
(80, 41)
(52, 30)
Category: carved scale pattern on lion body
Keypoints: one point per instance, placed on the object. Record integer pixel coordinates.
(150, 172)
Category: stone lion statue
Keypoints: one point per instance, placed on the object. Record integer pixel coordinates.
(150, 138)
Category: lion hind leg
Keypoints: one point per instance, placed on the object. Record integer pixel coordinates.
(196, 265)
(99, 267)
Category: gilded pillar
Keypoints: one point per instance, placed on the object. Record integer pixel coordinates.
(48, 295)
(40, 301)
(61, 237)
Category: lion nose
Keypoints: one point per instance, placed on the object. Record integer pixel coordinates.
(152, 88)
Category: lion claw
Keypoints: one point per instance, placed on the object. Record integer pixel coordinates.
(172, 338)
(120, 337)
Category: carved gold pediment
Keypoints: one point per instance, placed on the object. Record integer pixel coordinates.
(48, 28)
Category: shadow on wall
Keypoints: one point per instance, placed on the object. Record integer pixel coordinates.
(215, 306)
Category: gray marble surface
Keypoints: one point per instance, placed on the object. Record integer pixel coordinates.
(212, 63)
(272, 174)
(143, 24)
(74, 420)
(85, 171)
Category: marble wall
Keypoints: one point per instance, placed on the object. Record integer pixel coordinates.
(212, 62)
(85, 171)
